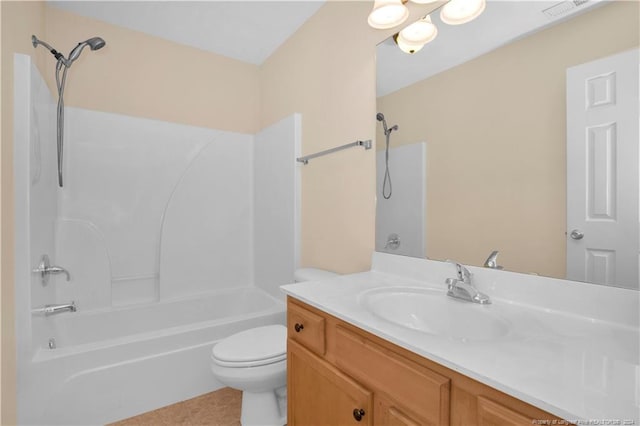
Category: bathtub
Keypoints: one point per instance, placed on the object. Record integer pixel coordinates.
(117, 363)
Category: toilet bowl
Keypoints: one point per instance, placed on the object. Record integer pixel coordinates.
(255, 362)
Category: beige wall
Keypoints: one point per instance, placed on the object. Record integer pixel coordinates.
(146, 76)
(495, 132)
(329, 77)
(326, 71)
(19, 21)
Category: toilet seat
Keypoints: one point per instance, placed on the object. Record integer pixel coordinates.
(252, 348)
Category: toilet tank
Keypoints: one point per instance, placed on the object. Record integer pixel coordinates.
(312, 274)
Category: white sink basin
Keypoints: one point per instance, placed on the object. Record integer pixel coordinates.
(433, 312)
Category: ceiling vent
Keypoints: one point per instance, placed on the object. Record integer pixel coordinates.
(562, 8)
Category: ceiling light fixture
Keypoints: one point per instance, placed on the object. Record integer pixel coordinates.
(391, 13)
(422, 31)
(388, 14)
(413, 38)
(458, 12)
(405, 46)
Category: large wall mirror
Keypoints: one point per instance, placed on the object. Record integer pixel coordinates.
(516, 132)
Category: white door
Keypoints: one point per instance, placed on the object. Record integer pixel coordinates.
(603, 181)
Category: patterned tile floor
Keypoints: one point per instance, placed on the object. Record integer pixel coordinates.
(219, 408)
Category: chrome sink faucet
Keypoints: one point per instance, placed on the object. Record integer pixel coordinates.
(462, 287)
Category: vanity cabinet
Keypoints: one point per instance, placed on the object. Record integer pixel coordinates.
(339, 374)
(322, 395)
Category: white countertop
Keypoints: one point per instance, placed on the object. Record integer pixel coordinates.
(579, 367)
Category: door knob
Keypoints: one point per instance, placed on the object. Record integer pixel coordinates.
(576, 234)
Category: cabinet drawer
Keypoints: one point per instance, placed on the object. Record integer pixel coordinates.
(306, 328)
(412, 386)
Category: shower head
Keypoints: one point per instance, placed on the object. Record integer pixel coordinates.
(94, 43)
(62, 66)
(380, 116)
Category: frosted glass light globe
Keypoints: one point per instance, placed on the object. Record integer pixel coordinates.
(388, 14)
(458, 12)
(407, 46)
(422, 31)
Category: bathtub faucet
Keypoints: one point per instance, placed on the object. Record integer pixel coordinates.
(45, 269)
(56, 309)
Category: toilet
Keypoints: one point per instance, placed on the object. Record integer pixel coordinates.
(255, 362)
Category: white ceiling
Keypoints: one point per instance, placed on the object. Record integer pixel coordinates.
(500, 23)
(249, 31)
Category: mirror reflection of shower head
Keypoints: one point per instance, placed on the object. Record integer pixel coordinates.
(386, 182)
(387, 131)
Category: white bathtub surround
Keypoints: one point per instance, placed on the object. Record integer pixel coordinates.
(572, 349)
(276, 197)
(207, 227)
(142, 194)
(156, 225)
(36, 202)
(151, 194)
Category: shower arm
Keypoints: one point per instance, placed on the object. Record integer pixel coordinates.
(59, 56)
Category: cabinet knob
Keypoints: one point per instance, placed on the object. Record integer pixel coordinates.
(298, 327)
(358, 414)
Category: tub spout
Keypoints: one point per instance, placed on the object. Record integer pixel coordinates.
(47, 310)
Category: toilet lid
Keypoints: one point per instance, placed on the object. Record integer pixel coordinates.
(256, 346)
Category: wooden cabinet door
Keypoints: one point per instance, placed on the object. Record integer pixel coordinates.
(491, 413)
(419, 389)
(319, 394)
(389, 414)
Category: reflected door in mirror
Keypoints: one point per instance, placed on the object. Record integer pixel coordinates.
(602, 171)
